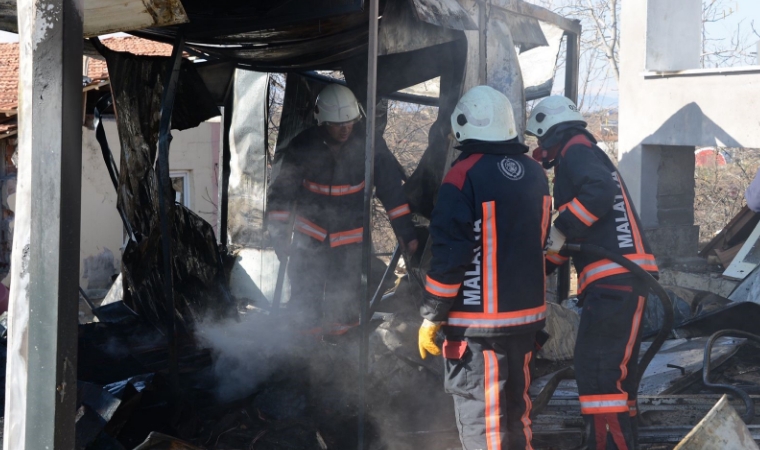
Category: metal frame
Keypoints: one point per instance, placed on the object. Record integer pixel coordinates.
(224, 162)
(399, 96)
(164, 190)
(369, 184)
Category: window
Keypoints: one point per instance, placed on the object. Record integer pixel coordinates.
(181, 186)
(730, 33)
(702, 36)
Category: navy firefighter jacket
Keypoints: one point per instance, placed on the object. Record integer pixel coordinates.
(595, 208)
(329, 189)
(489, 228)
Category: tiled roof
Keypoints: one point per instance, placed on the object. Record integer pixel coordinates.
(96, 70)
(8, 76)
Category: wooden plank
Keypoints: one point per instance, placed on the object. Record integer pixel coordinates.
(111, 16)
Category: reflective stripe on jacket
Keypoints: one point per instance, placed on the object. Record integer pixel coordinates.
(329, 189)
(595, 208)
(489, 227)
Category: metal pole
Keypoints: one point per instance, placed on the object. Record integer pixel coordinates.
(571, 92)
(396, 255)
(224, 173)
(369, 183)
(164, 197)
(482, 43)
(44, 299)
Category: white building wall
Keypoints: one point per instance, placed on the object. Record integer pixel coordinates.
(677, 110)
(194, 151)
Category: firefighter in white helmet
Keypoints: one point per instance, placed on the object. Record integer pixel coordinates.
(485, 286)
(595, 208)
(321, 172)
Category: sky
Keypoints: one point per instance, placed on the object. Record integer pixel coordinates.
(739, 15)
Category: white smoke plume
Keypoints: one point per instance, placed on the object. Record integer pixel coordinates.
(245, 352)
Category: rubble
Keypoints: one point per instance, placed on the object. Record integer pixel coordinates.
(721, 428)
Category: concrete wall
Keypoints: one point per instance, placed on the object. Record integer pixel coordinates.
(669, 113)
(194, 151)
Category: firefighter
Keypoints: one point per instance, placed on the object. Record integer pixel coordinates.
(595, 208)
(321, 176)
(485, 285)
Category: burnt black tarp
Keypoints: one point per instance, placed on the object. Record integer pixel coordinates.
(137, 84)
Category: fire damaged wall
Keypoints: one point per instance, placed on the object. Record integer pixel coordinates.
(137, 84)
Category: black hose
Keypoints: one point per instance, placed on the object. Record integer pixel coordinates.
(643, 275)
(749, 405)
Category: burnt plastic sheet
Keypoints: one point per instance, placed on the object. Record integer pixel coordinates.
(105, 351)
(120, 415)
(199, 284)
(137, 84)
(401, 30)
(200, 288)
(95, 408)
(743, 316)
(654, 314)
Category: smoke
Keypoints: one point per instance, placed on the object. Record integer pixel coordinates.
(246, 352)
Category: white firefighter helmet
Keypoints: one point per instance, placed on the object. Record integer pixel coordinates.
(551, 111)
(483, 114)
(337, 104)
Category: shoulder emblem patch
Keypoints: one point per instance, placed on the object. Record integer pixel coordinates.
(512, 169)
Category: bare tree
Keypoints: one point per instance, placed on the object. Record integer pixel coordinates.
(600, 46)
(721, 46)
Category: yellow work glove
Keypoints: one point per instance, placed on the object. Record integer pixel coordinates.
(428, 330)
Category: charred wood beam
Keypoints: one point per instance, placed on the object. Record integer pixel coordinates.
(572, 65)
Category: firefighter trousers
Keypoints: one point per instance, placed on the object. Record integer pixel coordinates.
(606, 361)
(325, 282)
(489, 380)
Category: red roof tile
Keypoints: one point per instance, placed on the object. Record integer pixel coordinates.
(97, 68)
(8, 76)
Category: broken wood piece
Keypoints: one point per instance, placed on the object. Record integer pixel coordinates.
(720, 428)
